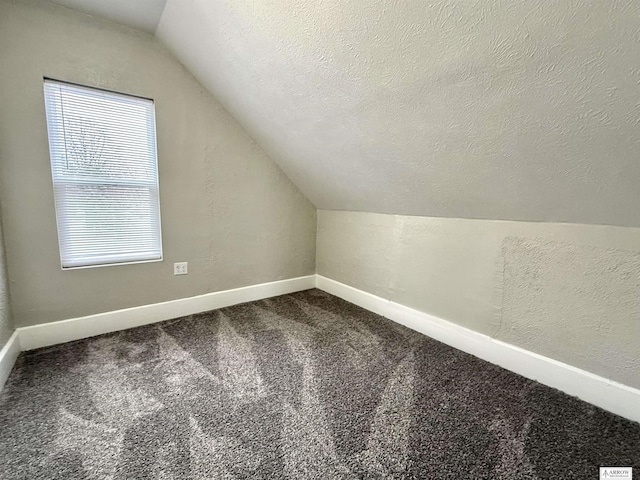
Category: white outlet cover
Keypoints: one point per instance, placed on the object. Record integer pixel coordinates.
(181, 268)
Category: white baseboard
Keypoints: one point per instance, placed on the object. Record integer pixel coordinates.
(47, 334)
(8, 356)
(607, 394)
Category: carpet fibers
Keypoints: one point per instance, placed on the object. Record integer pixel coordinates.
(302, 386)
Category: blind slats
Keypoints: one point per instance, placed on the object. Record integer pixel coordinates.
(105, 175)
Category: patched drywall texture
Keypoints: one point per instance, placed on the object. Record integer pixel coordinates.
(517, 110)
(585, 299)
(533, 285)
(226, 208)
(6, 323)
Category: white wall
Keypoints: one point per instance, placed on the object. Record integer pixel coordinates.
(226, 208)
(569, 292)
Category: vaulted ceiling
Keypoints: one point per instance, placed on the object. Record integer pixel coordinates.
(140, 14)
(501, 109)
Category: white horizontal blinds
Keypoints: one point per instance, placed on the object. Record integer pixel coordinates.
(105, 175)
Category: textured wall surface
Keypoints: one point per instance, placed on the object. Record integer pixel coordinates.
(517, 110)
(227, 209)
(585, 298)
(567, 291)
(6, 323)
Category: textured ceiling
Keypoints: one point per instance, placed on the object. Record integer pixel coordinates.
(523, 110)
(140, 14)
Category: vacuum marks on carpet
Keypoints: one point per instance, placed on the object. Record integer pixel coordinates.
(303, 386)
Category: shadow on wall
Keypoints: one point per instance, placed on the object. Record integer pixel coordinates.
(6, 325)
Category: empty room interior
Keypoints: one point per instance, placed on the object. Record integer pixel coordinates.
(294, 239)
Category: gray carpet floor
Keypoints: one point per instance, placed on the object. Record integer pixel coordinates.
(302, 386)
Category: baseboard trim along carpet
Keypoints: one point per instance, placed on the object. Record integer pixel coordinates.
(8, 356)
(607, 394)
(53, 333)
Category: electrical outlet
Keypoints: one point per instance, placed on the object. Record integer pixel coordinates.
(181, 268)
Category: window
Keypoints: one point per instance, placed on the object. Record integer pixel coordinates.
(105, 175)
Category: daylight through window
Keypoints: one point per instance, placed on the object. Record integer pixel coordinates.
(105, 175)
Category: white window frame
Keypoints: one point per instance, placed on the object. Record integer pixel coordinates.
(56, 128)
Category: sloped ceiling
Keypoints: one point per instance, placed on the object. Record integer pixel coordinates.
(524, 110)
(140, 14)
(499, 109)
